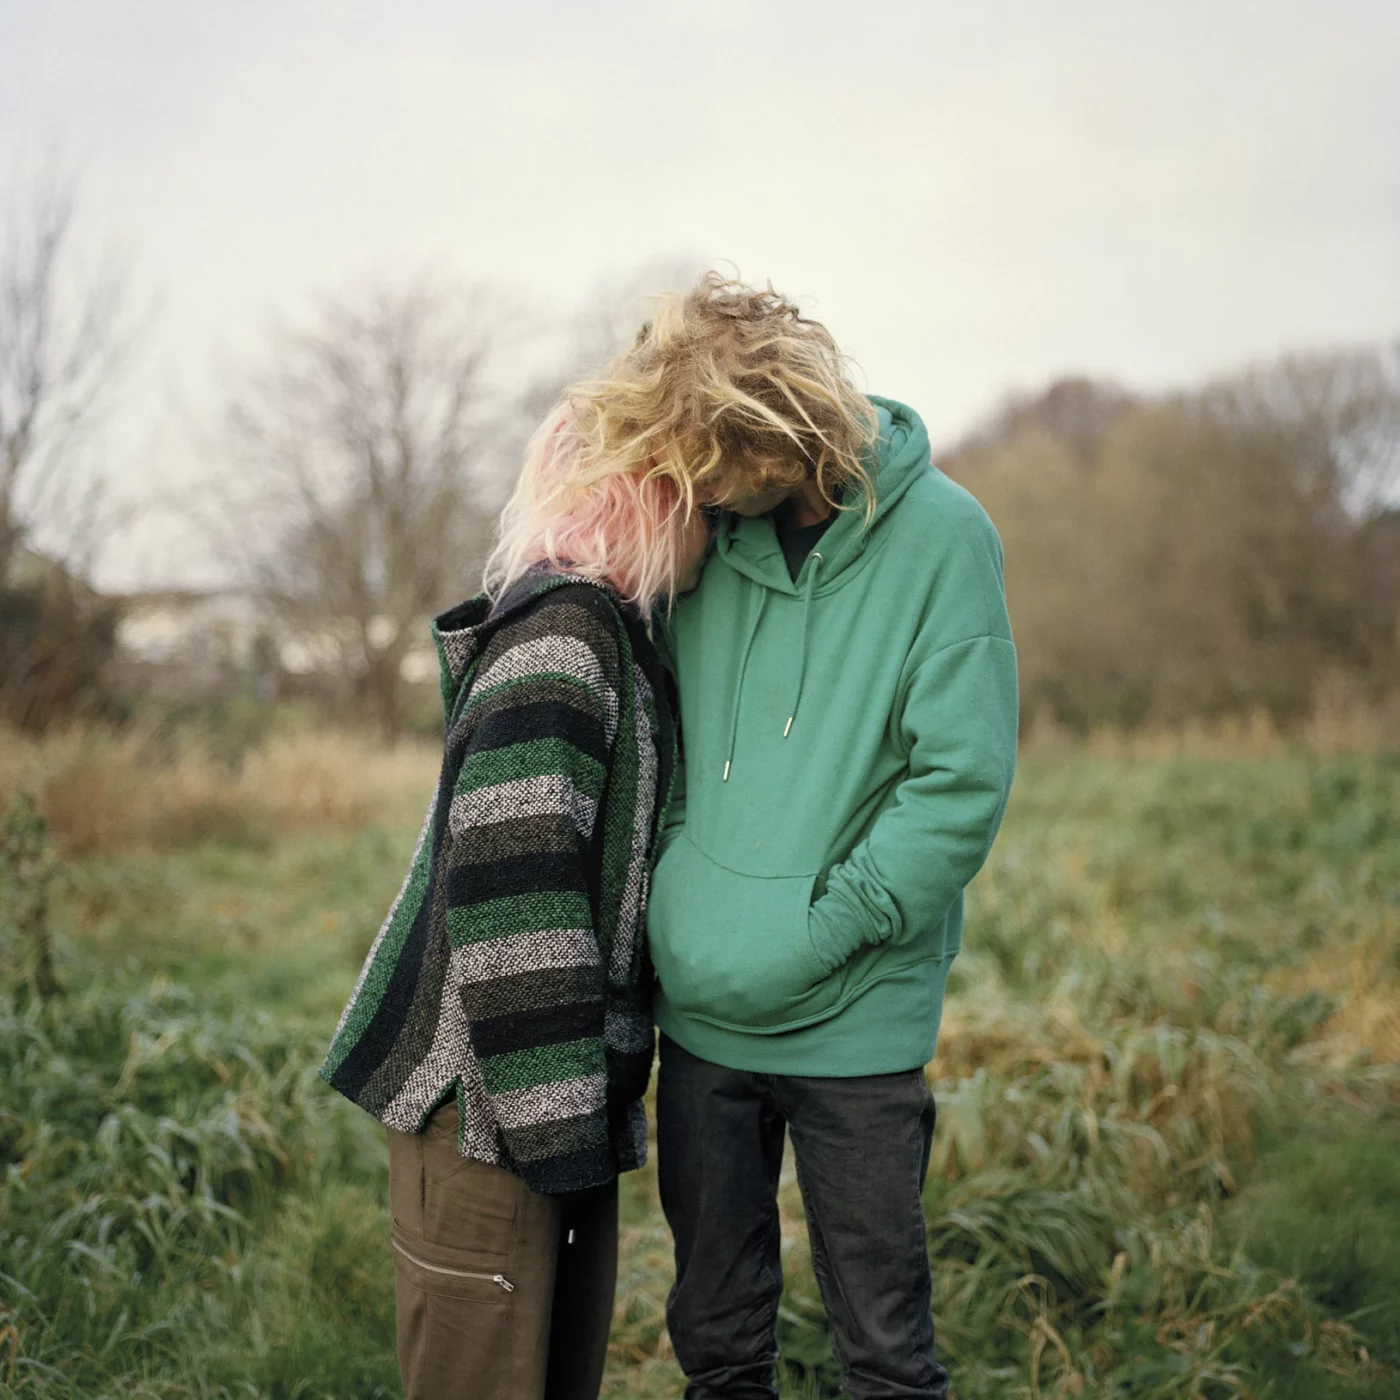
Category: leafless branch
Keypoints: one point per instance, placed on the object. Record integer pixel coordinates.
(65, 339)
(350, 492)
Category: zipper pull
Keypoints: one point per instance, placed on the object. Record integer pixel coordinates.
(503, 1282)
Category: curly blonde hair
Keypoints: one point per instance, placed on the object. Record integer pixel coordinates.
(727, 392)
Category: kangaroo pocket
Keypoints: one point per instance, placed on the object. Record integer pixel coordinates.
(734, 949)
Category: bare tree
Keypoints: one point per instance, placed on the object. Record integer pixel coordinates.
(1339, 414)
(358, 459)
(64, 341)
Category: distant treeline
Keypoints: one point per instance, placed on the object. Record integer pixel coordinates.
(1230, 549)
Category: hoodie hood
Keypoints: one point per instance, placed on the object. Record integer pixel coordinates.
(750, 547)
(461, 632)
(899, 458)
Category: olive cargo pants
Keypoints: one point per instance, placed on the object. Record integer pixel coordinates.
(501, 1293)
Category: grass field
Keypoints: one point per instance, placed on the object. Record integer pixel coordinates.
(1168, 1150)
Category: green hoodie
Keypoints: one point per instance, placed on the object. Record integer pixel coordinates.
(849, 743)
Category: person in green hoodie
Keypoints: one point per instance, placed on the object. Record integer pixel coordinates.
(848, 713)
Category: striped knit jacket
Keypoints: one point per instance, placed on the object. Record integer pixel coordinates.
(512, 968)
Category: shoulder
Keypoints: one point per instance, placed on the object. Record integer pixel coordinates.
(942, 528)
(939, 503)
(584, 610)
(573, 631)
(948, 550)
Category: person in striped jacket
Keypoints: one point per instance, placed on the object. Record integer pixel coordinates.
(501, 1026)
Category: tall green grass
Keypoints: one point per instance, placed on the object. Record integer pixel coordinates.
(1166, 1161)
(161, 1160)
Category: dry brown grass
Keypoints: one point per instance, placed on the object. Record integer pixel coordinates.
(1341, 721)
(104, 793)
(1365, 1028)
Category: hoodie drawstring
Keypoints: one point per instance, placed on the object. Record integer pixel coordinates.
(813, 566)
(812, 569)
(739, 685)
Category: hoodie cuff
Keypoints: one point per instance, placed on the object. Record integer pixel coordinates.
(835, 935)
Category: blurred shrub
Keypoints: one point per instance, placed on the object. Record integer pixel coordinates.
(1210, 553)
(28, 872)
(57, 638)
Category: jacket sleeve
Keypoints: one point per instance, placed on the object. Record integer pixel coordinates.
(520, 909)
(664, 635)
(958, 718)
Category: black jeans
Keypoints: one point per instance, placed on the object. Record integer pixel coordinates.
(862, 1149)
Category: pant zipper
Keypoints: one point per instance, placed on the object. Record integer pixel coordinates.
(500, 1280)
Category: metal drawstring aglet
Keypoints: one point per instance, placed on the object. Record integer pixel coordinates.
(788, 726)
(725, 779)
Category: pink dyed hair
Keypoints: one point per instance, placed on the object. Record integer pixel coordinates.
(623, 526)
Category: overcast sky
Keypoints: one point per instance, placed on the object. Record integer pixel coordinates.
(975, 197)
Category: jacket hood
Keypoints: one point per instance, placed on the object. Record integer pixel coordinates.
(461, 632)
(901, 456)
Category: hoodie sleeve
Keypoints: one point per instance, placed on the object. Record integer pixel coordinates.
(519, 912)
(958, 716)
